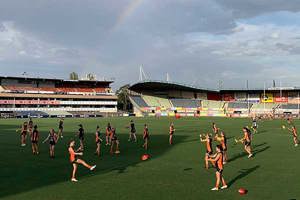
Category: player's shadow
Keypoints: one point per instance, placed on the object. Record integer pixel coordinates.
(242, 173)
(255, 152)
(33, 172)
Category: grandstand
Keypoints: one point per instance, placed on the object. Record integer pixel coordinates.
(168, 99)
(40, 97)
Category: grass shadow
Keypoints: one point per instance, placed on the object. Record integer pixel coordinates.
(243, 154)
(243, 173)
(27, 172)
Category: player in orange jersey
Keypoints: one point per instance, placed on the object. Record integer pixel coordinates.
(171, 132)
(209, 151)
(218, 159)
(76, 161)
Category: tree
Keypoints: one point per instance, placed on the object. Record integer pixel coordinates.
(74, 76)
(91, 77)
(123, 98)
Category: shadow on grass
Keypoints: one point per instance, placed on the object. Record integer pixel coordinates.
(242, 174)
(255, 152)
(21, 172)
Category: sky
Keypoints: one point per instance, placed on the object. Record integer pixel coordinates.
(206, 43)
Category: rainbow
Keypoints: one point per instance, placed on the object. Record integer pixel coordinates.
(129, 10)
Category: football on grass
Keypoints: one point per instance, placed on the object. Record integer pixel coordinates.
(243, 191)
(145, 157)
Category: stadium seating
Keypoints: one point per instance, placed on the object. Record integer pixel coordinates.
(31, 114)
(139, 101)
(185, 103)
(58, 113)
(151, 101)
(215, 105)
(238, 105)
(289, 106)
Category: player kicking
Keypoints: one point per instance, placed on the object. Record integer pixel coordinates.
(80, 135)
(52, 138)
(114, 142)
(171, 132)
(218, 159)
(61, 127)
(30, 126)
(108, 133)
(215, 128)
(34, 140)
(146, 137)
(132, 135)
(209, 152)
(24, 131)
(223, 141)
(98, 141)
(293, 130)
(246, 140)
(76, 161)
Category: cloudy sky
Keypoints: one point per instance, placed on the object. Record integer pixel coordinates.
(199, 42)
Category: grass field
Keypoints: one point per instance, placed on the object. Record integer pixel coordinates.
(173, 172)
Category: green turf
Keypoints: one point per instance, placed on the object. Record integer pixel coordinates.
(174, 172)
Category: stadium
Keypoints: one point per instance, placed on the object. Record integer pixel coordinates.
(40, 97)
(152, 98)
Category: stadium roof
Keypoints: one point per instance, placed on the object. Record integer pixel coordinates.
(53, 79)
(164, 85)
(155, 85)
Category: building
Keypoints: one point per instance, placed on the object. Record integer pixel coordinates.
(169, 98)
(23, 96)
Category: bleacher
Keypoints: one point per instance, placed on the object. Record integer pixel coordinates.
(238, 105)
(139, 101)
(151, 101)
(52, 90)
(186, 103)
(214, 105)
(58, 113)
(31, 114)
(289, 107)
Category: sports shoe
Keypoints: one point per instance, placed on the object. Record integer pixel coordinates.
(74, 180)
(61, 136)
(23, 145)
(215, 189)
(224, 187)
(296, 145)
(93, 167)
(250, 155)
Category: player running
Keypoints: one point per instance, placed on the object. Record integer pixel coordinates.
(98, 141)
(114, 142)
(34, 140)
(246, 140)
(52, 138)
(132, 135)
(254, 125)
(209, 151)
(171, 132)
(294, 131)
(146, 137)
(80, 135)
(24, 131)
(61, 127)
(76, 161)
(223, 142)
(108, 133)
(218, 159)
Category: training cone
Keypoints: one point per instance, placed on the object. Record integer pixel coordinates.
(145, 157)
(243, 191)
